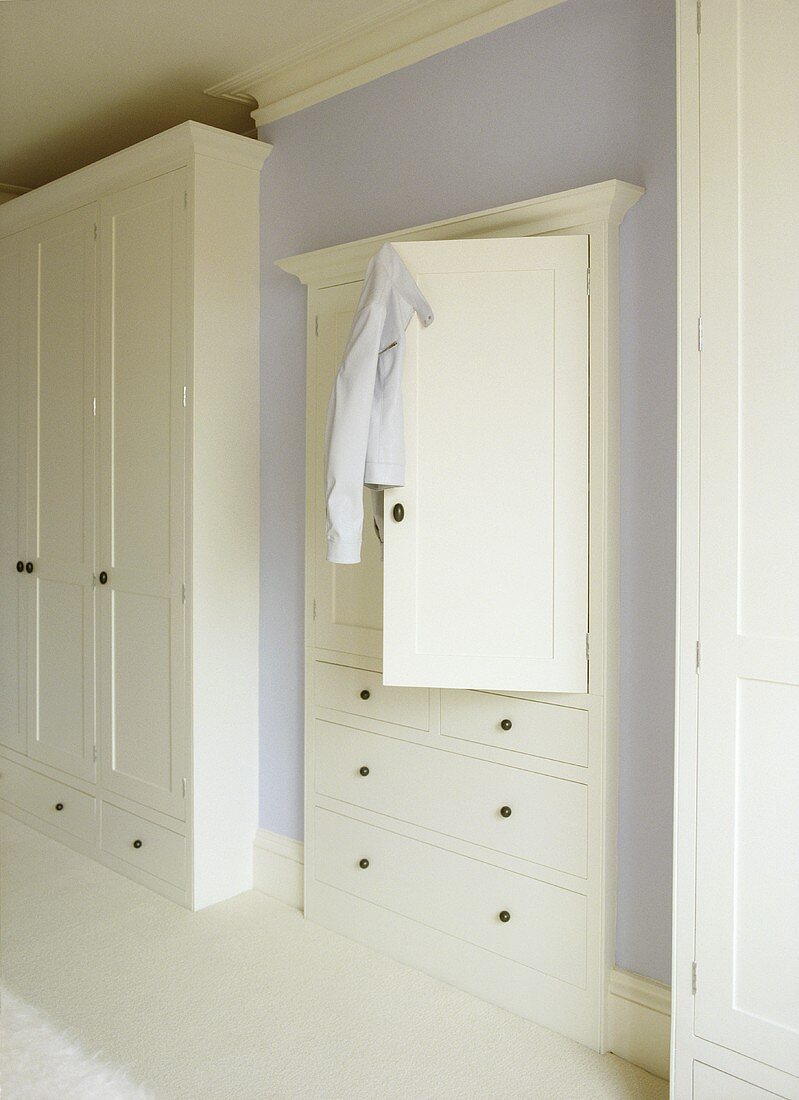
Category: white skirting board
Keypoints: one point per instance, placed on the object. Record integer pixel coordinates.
(639, 1008)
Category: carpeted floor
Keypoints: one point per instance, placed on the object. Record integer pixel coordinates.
(247, 1000)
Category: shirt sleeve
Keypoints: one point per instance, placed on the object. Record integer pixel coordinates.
(348, 417)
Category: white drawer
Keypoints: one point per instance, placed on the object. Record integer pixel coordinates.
(539, 729)
(547, 926)
(54, 802)
(457, 795)
(356, 691)
(143, 844)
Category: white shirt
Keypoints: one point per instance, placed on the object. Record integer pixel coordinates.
(364, 438)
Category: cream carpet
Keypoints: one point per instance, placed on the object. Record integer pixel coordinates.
(247, 1000)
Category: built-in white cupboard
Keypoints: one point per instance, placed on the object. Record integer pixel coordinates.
(130, 525)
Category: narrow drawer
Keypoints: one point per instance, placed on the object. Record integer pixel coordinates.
(521, 725)
(546, 927)
(143, 844)
(356, 691)
(457, 795)
(54, 802)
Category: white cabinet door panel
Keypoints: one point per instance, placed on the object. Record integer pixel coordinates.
(59, 319)
(13, 585)
(747, 879)
(142, 647)
(486, 577)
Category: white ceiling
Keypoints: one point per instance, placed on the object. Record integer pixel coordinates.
(80, 79)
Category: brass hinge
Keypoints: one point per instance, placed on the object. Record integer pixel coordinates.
(94, 406)
(185, 785)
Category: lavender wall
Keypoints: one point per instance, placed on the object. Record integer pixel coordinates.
(578, 93)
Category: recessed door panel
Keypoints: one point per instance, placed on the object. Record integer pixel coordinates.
(142, 493)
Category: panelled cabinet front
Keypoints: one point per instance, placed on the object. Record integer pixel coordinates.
(465, 831)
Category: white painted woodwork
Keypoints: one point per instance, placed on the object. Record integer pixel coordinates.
(134, 350)
(142, 545)
(737, 891)
(440, 765)
(13, 585)
(58, 316)
(486, 577)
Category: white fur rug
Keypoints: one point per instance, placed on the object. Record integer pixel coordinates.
(39, 1062)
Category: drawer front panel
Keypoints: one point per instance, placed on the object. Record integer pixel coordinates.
(547, 926)
(342, 688)
(539, 729)
(41, 796)
(457, 795)
(161, 853)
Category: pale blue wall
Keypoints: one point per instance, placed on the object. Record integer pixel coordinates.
(579, 93)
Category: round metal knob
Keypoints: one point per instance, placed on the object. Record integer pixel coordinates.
(398, 512)
(137, 844)
(363, 864)
(103, 578)
(506, 811)
(365, 694)
(363, 770)
(506, 724)
(28, 566)
(20, 566)
(59, 805)
(504, 916)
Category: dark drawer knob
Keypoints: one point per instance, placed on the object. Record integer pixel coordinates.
(504, 916)
(506, 811)
(365, 694)
(363, 770)
(363, 864)
(20, 566)
(137, 844)
(28, 566)
(506, 724)
(103, 577)
(59, 805)
(398, 512)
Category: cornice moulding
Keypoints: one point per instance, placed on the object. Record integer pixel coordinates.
(582, 206)
(367, 49)
(152, 156)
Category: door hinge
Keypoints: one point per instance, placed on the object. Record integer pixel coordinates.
(588, 282)
(185, 396)
(94, 406)
(693, 977)
(700, 332)
(698, 655)
(316, 326)
(94, 753)
(314, 611)
(185, 786)
(587, 647)
(698, 16)
(185, 200)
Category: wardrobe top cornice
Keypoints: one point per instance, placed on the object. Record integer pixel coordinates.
(147, 158)
(607, 202)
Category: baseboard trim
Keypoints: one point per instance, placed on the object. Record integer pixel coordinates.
(277, 867)
(639, 1021)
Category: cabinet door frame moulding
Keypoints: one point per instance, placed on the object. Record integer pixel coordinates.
(596, 210)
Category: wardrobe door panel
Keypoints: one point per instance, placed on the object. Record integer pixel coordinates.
(143, 330)
(349, 600)
(59, 292)
(13, 585)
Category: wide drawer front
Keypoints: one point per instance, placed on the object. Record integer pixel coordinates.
(521, 725)
(536, 817)
(52, 801)
(356, 691)
(531, 922)
(143, 844)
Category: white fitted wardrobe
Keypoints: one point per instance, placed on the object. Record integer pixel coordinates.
(129, 510)
(736, 959)
(471, 833)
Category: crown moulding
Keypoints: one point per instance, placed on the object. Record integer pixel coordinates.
(367, 49)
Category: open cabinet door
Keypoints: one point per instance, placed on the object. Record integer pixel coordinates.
(486, 571)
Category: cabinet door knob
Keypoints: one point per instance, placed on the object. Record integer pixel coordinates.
(20, 566)
(363, 864)
(504, 916)
(28, 566)
(506, 811)
(103, 578)
(363, 770)
(59, 805)
(137, 844)
(365, 694)
(506, 724)
(398, 512)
